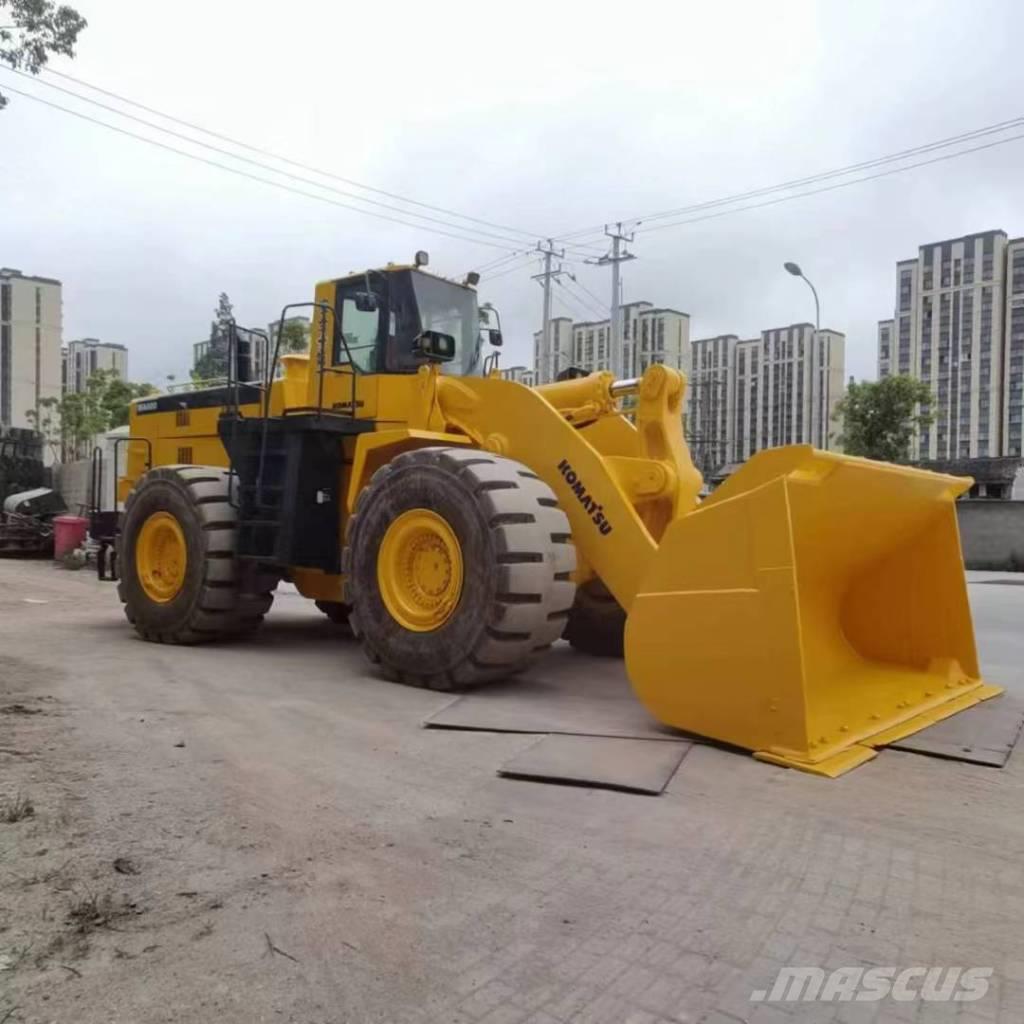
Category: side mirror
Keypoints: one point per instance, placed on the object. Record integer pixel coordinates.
(435, 346)
(366, 302)
(495, 337)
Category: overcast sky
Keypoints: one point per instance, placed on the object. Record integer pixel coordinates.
(545, 117)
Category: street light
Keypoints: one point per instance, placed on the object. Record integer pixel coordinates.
(794, 269)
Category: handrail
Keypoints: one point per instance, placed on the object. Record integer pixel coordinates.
(96, 470)
(324, 307)
(96, 481)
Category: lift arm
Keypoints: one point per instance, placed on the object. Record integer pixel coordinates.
(618, 504)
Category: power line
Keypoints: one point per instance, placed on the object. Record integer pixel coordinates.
(253, 177)
(492, 265)
(585, 304)
(572, 297)
(838, 185)
(568, 303)
(587, 290)
(827, 175)
(287, 160)
(513, 269)
(266, 167)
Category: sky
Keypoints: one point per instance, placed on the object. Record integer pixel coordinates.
(542, 118)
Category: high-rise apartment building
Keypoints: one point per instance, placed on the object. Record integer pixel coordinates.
(519, 374)
(30, 344)
(592, 344)
(649, 335)
(748, 394)
(553, 354)
(953, 319)
(1013, 363)
(710, 391)
(82, 358)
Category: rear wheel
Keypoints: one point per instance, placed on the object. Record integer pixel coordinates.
(597, 621)
(179, 578)
(458, 564)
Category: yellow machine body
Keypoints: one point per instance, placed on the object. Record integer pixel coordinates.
(812, 608)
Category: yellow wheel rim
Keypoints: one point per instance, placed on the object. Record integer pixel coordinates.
(161, 557)
(419, 570)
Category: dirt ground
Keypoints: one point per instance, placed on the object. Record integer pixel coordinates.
(264, 832)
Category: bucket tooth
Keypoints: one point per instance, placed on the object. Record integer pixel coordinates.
(813, 604)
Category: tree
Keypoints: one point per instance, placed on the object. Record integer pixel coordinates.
(880, 418)
(294, 336)
(117, 398)
(32, 30)
(69, 423)
(213, 363)
(46, 421)
(225, 315)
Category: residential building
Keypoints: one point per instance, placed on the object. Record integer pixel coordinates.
(31, 324)
(649, 335)
(82, 358)
(519, 374)
(886, 333)
(954, 308)
(748, 394)
(554, 354)
(710, 400)
(788, 383)
(1013, 363)
(591, 344)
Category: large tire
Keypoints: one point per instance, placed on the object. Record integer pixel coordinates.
(597, 621)
(211, 603)
(517, 554)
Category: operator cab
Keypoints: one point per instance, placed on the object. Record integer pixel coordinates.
(394, 320)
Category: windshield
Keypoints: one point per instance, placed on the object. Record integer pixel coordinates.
(451, 309)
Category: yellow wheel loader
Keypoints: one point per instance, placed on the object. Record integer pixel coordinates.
(812, 608)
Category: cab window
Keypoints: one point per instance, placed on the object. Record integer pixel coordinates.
(361, 329)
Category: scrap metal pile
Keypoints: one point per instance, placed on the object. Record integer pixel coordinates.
(28, 509)
(25, 535)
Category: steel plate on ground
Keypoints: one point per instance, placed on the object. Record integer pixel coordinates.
(984, 734)
(605, 762)
(564, 693)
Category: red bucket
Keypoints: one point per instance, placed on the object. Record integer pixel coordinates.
(68, 534)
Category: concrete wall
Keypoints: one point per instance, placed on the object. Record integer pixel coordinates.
(992, 534)
(71, 479)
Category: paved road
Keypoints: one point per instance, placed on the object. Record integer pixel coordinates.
(311, 855)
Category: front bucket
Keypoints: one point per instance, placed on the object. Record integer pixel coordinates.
(813, 607)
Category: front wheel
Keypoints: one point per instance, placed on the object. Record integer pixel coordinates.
(459, 567)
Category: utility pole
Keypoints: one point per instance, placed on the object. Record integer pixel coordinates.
(546, 276)
(615, 257)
